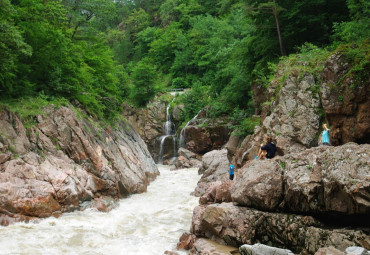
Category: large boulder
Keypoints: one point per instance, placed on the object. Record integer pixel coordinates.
(233, 225)
(63, 161)
(323, 180)
(215, 167)
(187, 159)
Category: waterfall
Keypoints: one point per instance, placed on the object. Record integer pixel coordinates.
(182, 133)
(169, 130)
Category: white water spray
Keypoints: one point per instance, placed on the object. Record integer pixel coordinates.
(148, 223)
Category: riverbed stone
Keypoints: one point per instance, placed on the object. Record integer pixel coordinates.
(261, 249)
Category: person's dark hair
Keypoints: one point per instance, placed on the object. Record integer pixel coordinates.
(269, 139)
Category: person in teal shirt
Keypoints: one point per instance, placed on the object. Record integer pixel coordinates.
(325, 138)
(231, 172)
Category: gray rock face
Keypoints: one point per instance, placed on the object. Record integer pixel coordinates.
(148, 123)
(63, 161)
(318, 180)
(261, 249)
(215, 166)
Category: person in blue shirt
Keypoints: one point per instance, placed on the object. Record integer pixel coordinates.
(231, 172)
(325, 137)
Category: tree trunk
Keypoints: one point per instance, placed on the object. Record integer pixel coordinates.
(275, 13)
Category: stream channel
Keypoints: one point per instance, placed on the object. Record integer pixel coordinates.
(148, 223)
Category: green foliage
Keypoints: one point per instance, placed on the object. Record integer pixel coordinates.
(242, 123)
(101, 52)
(194, 100)
(28, 107)
(179, 82)
(143, 75)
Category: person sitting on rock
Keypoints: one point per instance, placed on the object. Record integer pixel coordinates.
(231, 172)
(268, 150)
(325, 137)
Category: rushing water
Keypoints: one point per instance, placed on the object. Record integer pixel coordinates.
(148, 223)
(169, 130)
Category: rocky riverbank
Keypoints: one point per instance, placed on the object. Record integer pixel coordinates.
(302, 202)
(309, 199)
(63, 163)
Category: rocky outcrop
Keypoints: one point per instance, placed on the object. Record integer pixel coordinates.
(187, 159)
(302, 201)
(346, 103)
(215, 167)
(62, 162)
(202, 134)
(234, 225)
(298, 106)
(148, 123)
(322, 180)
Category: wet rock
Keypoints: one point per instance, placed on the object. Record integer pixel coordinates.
(261, 249)
(204, 246)
(186, 241)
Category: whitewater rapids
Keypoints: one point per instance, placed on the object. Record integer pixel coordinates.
(148, 223)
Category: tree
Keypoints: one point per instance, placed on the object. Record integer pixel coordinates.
(143, 77)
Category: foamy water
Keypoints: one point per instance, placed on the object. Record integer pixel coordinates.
(148, 223)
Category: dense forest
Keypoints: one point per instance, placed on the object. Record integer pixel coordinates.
(99, 53)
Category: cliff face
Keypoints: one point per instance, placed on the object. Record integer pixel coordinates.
(308, 196)
(63, 161)
(299, 106)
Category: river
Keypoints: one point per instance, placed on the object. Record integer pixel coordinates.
(148, 223)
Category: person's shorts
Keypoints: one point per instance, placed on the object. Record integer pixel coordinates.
(231, 176)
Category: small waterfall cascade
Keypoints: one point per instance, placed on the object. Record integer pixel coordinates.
(169, 131)
(182, 133)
